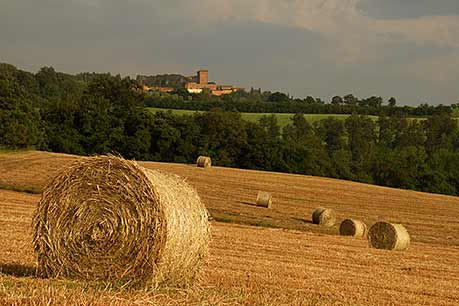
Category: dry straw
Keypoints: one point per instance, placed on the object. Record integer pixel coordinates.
(264, 199)
(354, 228)
(204, 162)
(389, 236)
(324, 216)
(109, 219)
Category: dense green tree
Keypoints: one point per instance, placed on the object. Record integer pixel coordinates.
(124, 94)
(410, 133)
(350, 100)
(20, 122)
(443, 172)
(361, 131)
(337, 100)
(165, 137)
(98, 113)
(278, 97)
(222, 136)
(107, 117)
(333, 132)
(341, 164)
(392, 102)
(262, 151)
(389, 128)
(310, 100)
(402, 167)
(269, 124)
(439, 130)
(62, 133)
(306, 157)
(54, 84)
(182, 92)
(362, 137)
(299, 130)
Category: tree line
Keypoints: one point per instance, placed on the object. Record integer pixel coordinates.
(256, 101)
(99, 113)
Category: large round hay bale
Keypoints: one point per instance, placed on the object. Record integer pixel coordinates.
(389, 236)
(324, 216)
(109, 219)
(264, 199)
(354, 228)
(204, 162)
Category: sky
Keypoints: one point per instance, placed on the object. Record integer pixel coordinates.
(407, 49)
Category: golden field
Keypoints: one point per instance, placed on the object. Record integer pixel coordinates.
(258, 256)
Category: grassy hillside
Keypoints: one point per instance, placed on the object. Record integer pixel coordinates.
(282, 119)
(285, 260)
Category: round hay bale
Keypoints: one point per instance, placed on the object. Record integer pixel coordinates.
(264, 199)
(354, 228)
(324, 216)
(105, 218)
(388, 236)
(204, 162)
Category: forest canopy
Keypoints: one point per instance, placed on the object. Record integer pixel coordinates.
(92, 113)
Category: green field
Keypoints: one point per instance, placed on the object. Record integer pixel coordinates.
(282, 119)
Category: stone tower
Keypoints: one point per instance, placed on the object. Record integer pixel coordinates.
(203, 76)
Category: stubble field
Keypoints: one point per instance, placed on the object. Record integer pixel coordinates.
(284, 260)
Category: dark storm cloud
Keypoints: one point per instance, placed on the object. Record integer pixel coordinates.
(85, 35)
(240, 45)
(394, 9)
(250, 53)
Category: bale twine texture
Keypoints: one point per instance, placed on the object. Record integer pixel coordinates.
(109, 219)
(324, 216)
(204, 162)
(389, 236)
(354, 228)
(264, 199)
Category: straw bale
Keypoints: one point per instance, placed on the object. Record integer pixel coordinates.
(324, 216)
(204, 162)
(264, 199)
(389, 236)
(354, 228)
(105, 218)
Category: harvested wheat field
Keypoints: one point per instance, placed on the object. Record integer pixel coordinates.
(296, 263)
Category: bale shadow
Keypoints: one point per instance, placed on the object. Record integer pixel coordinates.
(303, 220)
(248, 203)
(17, 270)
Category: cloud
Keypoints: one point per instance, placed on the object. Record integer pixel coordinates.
(398, 52)
(354, 36)
(317, 47)
(338, 19)
(396, 9)
(342, 21)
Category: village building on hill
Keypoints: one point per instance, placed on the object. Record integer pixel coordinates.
(201, 82)
(158, 88)
(167, 83)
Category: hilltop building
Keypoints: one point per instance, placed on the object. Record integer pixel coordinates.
(158, 88)
(201, 82)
